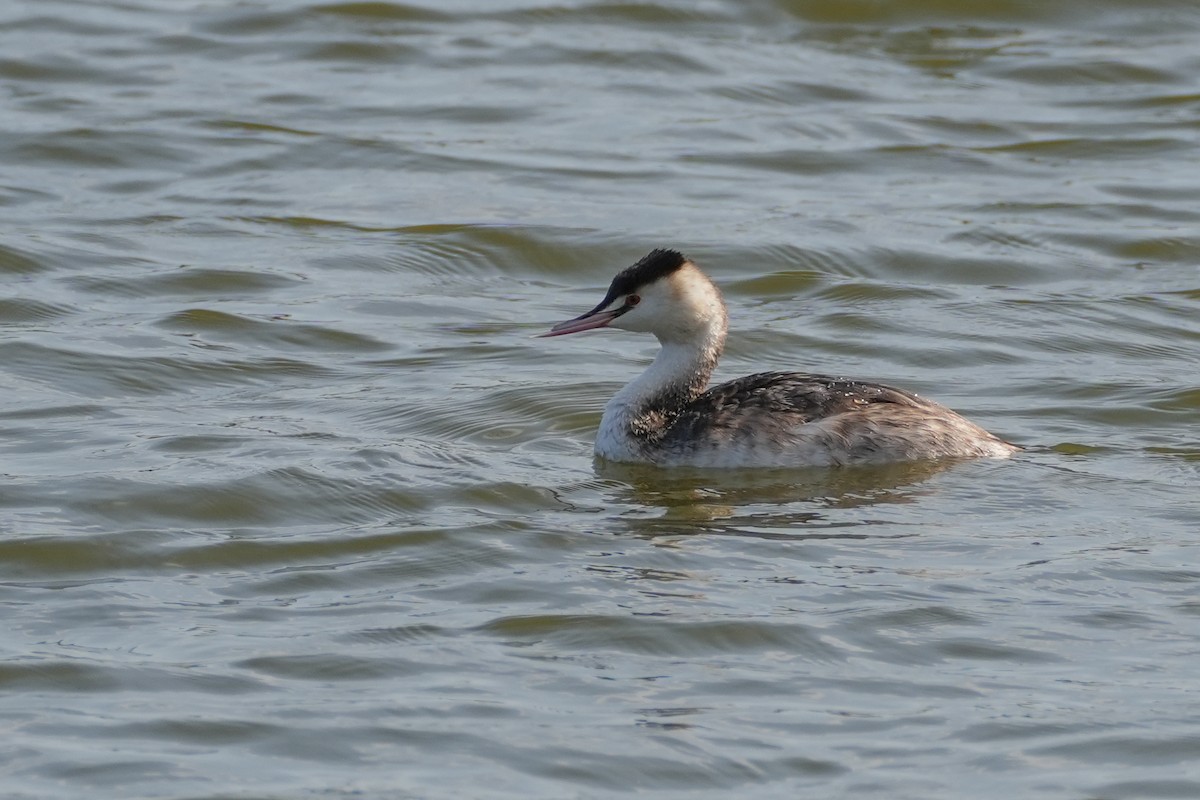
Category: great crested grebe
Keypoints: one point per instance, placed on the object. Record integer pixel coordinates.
(770, 419)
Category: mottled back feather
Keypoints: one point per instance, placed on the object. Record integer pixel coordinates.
(790, 398)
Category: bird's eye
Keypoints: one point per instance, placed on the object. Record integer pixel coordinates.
(632, 300)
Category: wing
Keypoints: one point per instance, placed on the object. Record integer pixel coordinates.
(757, 404)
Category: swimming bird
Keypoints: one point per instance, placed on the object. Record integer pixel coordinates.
(667, 417)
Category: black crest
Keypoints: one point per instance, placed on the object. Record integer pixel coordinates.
(654, 266)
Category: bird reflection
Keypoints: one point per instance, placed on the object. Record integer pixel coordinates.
(770, 504)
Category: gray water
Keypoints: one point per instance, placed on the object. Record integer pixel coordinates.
(293, 506)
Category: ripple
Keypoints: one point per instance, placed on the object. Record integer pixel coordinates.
(18, 262)
(793, 93)
(1127, 750)
(331, 666)
(91, 148)
(864, 12)
(22, 311)
(198, 731)
(247, 23)
(256, 127)
(880, 292)
(39, 674)
(406, 634)
(982, 650)
(84, 410)
(661, 637)
(59, 68)
(1076, 73)
(254, 500)
(1165, 788)
(380, 11)
(1091, 148)
(612, 13)
(269, 332)
(107, 375)
(505, 416)
(187, 282)
(1178, 249)
(355, 51)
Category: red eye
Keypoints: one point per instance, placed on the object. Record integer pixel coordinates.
(632, 300)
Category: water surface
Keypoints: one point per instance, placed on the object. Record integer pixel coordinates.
(294, 506)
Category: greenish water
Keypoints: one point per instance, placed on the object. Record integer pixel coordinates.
(292, 505)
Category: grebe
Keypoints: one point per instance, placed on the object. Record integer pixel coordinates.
(770, 419)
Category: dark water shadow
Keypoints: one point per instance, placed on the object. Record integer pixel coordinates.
(811, 503)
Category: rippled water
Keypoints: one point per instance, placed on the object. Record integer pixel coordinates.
(293, 506)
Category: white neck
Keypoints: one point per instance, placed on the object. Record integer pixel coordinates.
(650, 402)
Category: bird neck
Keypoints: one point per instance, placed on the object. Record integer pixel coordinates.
(677, 376)
(640, 414)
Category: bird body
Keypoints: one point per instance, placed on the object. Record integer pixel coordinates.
(667, 417)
